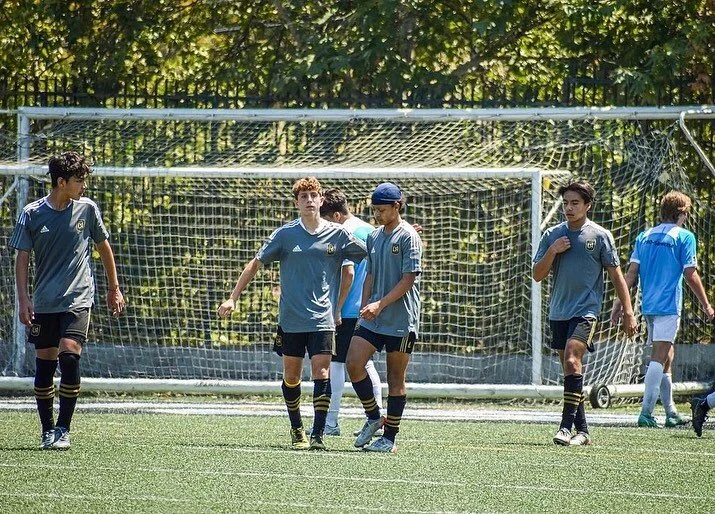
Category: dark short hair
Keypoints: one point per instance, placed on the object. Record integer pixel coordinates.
(334, 201)
(583, 188)
(66, 165)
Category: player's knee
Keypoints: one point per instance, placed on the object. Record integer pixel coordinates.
(356, 369)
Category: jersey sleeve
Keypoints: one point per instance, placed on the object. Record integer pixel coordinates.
(544, 244)
(411, 253)
(354, 249)
(97, 229)
(609, 254)
(369, 244)
(689, 251)
(20, 239)
(635, 256)
(271, 249)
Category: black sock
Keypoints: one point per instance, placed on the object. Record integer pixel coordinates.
(291, 395)
(363, 389)
(321, 403)
(45, 391)
(69, 387)
(395, 407)
(573, 388)
(580, 419)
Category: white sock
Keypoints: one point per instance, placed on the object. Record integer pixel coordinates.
(711, 400)
(653, 377)
(666, 394)
(337, 386)
(376, 384)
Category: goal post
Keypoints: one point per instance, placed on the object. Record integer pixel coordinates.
(189, 195)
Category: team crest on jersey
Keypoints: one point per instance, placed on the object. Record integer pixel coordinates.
(35, 329)
(331, 248)
(590, 244)
(80, 225)
(395, 248)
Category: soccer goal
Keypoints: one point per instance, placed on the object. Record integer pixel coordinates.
(189, 196)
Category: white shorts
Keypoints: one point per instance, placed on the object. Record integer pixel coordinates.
(662, 328)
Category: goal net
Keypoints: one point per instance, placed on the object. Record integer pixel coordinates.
(190, 195)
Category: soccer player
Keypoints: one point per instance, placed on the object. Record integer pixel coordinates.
(662, 255)
(700, 412)
(347, 306)
(577, 251)
(389, 316)
(58, 229)
(310, 251)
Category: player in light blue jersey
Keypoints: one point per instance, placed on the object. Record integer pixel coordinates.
(311, 252)
(661, 257)
(59, 230)
(347, 306)
(389, 317)
(578, 250)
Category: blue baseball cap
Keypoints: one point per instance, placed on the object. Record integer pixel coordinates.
(386, 194)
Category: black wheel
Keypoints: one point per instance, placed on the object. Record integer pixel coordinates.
(600, 397)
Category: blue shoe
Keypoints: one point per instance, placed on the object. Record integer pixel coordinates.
(382, 445)
(646, 421)
(329, 430)
(368, 430)
(61, 439)
(48, 437)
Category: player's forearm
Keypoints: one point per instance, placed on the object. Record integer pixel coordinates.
(541, 269)
(110, 267)
(22, 265)
(622, 290)
(347, 276)
(248, 273)
(366, 290)
(696, 286)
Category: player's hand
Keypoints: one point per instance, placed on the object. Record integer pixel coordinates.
(26, 312)
(616, 312)
(630, 326)
(417, 227)
(338, 319)
(226, 308)
(709, 312)
(371, 311)
(561, 245)
(115, 302)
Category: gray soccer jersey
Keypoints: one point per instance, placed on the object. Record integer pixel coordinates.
(309, 264)
(389, 257)
(578, 272)
(60, 241)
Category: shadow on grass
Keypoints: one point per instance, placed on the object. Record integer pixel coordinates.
(269, 446)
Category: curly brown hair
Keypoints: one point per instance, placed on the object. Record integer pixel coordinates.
(673, 205)
(306, 184)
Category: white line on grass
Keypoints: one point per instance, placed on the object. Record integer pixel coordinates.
(383, 481)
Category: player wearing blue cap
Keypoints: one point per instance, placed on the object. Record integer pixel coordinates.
(389, 316)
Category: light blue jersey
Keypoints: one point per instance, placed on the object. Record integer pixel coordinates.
(577, 289)
(61, 242)
(662, 254)
(310, 263)
(389, 257)
(351, 307)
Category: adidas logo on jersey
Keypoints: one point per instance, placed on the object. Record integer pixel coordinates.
(297, 249)
(44, 229)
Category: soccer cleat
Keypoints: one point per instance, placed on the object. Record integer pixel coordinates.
(700, 414)
(48, 438)
(329, 430)
(316, 442)
(581, 439)
(382, 445)
(368, 430)
(676, 420)
(646, 421)
(298, 439)
(379, 433)
(563, 437)
(61, 439)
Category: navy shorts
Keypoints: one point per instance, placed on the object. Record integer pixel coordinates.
(403, 344)
(48, 328)
(295, 344)
(579, 328)
(343, 335)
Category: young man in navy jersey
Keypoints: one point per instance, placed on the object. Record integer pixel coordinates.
(59, 229)
(311, 252)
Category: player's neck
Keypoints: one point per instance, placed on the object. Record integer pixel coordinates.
(57, 200)
(311, 222)
(389, 227)
(576, 225)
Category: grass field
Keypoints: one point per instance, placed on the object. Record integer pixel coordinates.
(218, 463)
